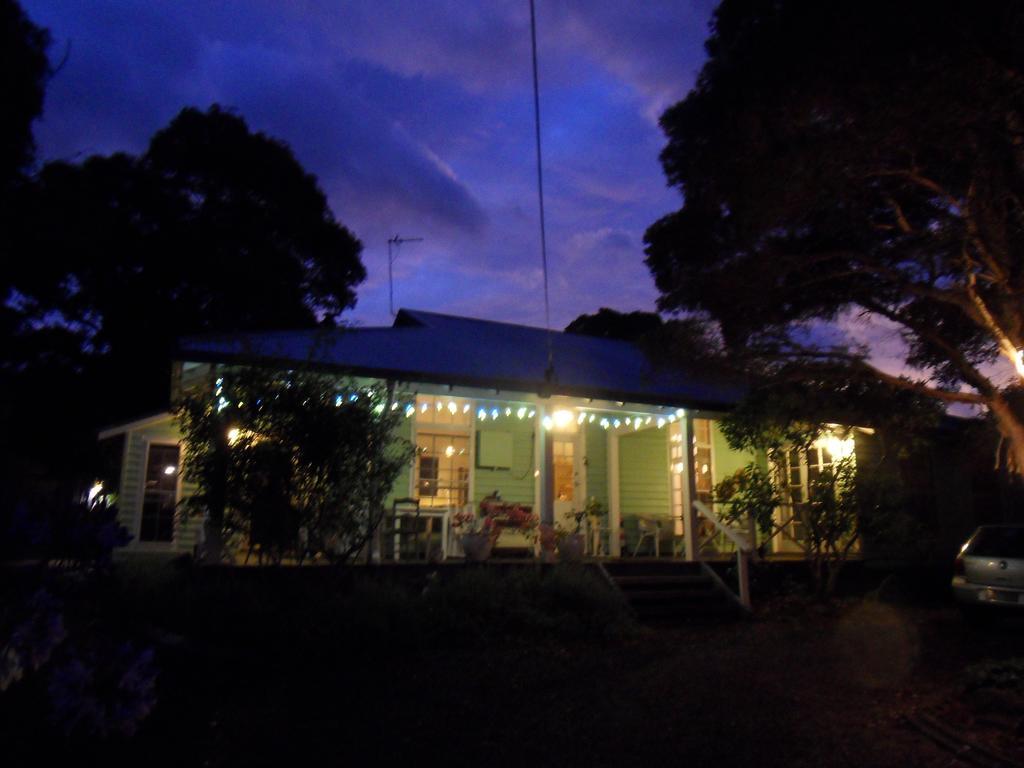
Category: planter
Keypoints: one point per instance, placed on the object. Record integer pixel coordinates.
(571, 547)
(477, 546)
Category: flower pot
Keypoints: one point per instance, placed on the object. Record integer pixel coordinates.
(477, 546)
(570, 547)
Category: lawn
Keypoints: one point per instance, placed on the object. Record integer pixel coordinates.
(514, 671)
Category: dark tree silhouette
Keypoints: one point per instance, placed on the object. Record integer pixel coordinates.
(611, 324)
(214, 228)
(24, 70)
(858, 157)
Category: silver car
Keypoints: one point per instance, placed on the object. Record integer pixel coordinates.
(989, 571)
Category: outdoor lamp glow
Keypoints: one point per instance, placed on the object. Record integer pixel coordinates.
(562, 418)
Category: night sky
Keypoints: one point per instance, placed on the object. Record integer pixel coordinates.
(417, 118)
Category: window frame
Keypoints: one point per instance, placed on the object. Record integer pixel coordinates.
(141, 543)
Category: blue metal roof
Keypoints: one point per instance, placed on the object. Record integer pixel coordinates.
(445, 349)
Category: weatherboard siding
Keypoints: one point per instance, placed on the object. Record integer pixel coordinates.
(643, 473)
(516, 482)
(597, 464)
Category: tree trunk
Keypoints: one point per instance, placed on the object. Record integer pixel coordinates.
(1010, 424)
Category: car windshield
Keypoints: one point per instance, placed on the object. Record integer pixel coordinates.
(998, 542)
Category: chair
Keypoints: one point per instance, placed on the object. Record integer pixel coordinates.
(404, 531)
(648, 528)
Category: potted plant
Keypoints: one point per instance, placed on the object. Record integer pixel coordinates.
(572, 543)
(477, 534)
(547, 537)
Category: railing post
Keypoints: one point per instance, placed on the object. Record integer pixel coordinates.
(743, 577)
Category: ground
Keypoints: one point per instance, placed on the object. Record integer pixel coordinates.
(799, 685)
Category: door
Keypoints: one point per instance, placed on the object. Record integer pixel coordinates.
(566, 477)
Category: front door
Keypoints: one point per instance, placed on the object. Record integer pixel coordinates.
(566, 477)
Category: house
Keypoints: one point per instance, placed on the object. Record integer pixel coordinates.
(547, 419)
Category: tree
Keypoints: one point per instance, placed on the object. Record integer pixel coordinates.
(276, 452)
(858, 159)
(611, 324)
(215, 228)
(24, 71)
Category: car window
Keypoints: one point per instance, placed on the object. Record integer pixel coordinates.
(997, 542)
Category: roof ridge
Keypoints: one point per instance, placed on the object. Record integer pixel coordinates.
(414, 312)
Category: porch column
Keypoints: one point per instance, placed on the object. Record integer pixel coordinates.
(689, 489)
(545, 486)
(614, 510)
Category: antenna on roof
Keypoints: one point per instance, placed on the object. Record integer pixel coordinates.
(549, 373)
(395, 241)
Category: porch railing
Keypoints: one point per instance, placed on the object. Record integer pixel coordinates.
(744, 552)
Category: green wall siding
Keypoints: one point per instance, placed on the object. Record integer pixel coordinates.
(401, 488)
(517, 482)
(643, 473)
(596, 454)
(728, 461)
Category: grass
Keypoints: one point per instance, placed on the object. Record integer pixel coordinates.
(527, 668)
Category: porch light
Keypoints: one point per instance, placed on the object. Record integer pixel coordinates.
(452, 407)
(449, 451)
(481, 414)
(628, 421)
(581, 418)
(465, 408)
(96, 490)
(680, 412)
(591, 419)
(508, 411)
(423, 408)
(521, 412)
(494, 413)
(604, 423)
(678, 467)
(547, 422)
(409, 411)
(562, 418)
(532, 413)
(170, 469)
(661, 422)
(616, 423)
(840, 448)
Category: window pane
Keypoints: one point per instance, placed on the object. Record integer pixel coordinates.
(161, 494)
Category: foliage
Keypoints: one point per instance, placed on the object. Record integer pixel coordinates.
(24, 74)
(749, 493)
(857, 159)
(612, 324)
(95, 686)
(109, 261)
(274, 452)
(1004, 674)
(830, 518)
(75, 535)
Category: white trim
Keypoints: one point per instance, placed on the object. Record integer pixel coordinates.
(614, 502)
(158, 545)
(131, 426)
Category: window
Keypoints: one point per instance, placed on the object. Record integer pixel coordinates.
(677, 469)
(453, 411)
(160, 497)
(801, 471)
(442, 469)
(704, 475)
